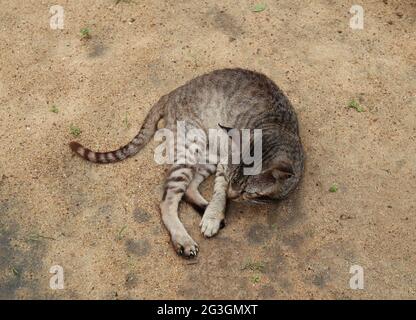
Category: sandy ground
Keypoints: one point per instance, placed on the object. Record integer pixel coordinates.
(102, 223)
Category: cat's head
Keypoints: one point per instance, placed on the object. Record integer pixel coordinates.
(281, 169)
(273, 183)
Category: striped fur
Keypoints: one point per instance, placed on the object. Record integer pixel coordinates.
(237, 99)
(139, 141)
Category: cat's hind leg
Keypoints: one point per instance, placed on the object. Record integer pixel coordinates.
(192, 194)
(176, 184)
(214, 217)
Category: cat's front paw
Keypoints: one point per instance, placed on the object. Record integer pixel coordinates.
(185, 246)
(211, 224)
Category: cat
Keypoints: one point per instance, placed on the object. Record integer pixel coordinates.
(230, 99)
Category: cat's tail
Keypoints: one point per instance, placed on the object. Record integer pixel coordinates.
(139, 141)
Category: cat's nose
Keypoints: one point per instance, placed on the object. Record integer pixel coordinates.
(232, 194)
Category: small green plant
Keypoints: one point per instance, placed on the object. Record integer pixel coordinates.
(35, 237)
(125, 1)
(126, 121)
(75, 131)
(355, 105)
(54, 109)
(333, 188)
(259, 7)
(119, 235)
(15, 271)
(255, 279)
(85, 33)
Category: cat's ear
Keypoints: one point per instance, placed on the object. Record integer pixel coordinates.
(282, 170)
(226, 129)
(232, 133)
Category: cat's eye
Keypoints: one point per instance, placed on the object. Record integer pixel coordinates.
(264, 199)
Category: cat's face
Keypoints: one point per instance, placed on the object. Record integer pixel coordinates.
(268, 186)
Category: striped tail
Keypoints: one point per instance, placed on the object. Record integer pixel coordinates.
(139, 141)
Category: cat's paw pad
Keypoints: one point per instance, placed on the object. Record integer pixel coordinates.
(211, 225)
(185, 246)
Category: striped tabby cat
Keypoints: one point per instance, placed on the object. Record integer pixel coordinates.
(234, 98)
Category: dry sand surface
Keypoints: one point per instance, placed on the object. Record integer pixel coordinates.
(102, 223)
